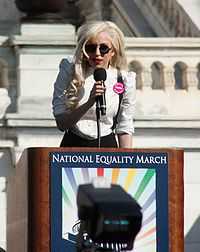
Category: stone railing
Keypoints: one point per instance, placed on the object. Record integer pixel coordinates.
(165, 62)
(171, 16)
(167, 73)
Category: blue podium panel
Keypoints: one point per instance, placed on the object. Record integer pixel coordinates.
(144, 175)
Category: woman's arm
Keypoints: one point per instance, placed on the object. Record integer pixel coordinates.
(125, 140)
(67, 119)
(125, 125)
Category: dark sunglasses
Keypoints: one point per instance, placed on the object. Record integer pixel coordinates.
(91, 48)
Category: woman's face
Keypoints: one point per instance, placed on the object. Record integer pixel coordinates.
(99, 50)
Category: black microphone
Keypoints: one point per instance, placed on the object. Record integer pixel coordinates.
(100, 75)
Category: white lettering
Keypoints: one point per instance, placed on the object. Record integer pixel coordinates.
(151, 159)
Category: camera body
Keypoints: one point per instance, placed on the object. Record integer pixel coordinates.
(109, 216)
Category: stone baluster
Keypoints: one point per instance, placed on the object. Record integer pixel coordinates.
(170, 8)
(189, 34)
(167, 8)
(146, 78)
(171, 16)
(178, 24)
(191, 78)
(174, 18)
(169, 80)
(184, 29)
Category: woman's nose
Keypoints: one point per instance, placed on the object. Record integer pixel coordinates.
(98, 51)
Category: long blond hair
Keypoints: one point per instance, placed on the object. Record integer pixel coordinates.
(84, 34)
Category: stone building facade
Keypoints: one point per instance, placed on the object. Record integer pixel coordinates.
(163, 48)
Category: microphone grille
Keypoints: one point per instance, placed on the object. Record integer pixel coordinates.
(100, 74)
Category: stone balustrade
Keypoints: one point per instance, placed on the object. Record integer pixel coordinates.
(168, 76)
(165, 63)
(168, 73)
(167, 107)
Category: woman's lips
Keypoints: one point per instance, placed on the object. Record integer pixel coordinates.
(98, 61)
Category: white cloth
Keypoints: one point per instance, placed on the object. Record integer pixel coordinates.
(87, 126)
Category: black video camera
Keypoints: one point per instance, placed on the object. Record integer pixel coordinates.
(110, 218)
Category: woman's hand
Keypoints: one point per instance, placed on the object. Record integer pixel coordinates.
(97, 90)
(67, 120)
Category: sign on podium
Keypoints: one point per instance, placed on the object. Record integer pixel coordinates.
(42, 206)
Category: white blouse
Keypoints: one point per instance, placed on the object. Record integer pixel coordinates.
(87, 125)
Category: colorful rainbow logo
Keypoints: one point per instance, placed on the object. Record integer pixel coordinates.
(140, 183)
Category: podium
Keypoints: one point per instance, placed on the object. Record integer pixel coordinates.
(42, 195)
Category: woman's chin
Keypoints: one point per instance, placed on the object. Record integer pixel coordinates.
(100, 65)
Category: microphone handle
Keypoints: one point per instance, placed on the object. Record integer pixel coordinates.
(102, 100)
(101, 103)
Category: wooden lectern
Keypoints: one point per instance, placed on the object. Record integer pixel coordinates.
(44, 185)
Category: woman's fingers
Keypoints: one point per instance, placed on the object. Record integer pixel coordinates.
(99, 89)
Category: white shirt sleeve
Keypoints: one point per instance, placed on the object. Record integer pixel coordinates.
(126, 114)
(62, 82)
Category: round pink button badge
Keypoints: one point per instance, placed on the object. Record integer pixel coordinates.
(119, 88)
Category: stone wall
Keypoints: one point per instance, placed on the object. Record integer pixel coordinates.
(168, 101)
(167, 115)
